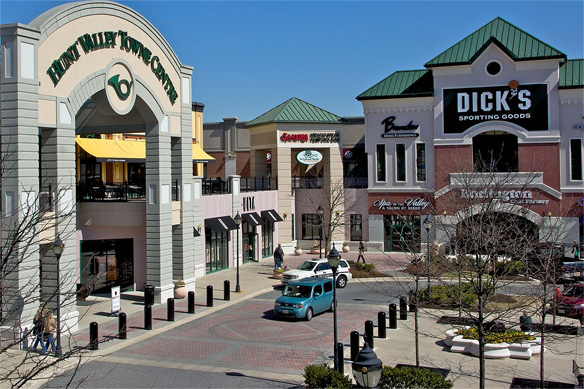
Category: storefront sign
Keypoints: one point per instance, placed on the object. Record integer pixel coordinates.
(269, 156)
(408, 205)
(581, 202)
(309, 157)
(248, 204)
(524, 105)
(511, 196)
(315, 137)
(389, 125)
(107, 40)
(578, 127)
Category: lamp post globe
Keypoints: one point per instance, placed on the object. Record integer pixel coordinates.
(237, 219)
(58, 248)
(428, 226)
(320, 212)
(334, 259)
(367, 367)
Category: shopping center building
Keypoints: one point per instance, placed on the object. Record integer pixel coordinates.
(103, 147)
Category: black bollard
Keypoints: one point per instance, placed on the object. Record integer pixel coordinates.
(403, 308)
(354, 344)
(191, 301)
(381, 323)
(340, 355)
(93, 343)
(392, 316)
(209, 295)
(226, 290)
(148, 317)
(170, 309)
(369, 333)
(413, 306)
(122, 326)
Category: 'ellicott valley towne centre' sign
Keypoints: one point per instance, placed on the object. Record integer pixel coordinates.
(110, 39)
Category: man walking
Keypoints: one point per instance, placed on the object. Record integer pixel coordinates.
(278, 257)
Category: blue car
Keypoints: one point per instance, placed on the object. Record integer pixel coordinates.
(304, 298)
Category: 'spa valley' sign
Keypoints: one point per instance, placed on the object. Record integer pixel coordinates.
(408, 205)
(106, 40)
(524, 105)
(315, 137)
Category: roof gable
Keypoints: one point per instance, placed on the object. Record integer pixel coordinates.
(295, 111)
(518, 44)
(572, 74)
(410, 83)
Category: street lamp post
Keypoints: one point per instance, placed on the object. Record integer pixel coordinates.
(428, 226)
(334, 259)
(320, 212)
(58, 247)
(367, 368)
(238, 223)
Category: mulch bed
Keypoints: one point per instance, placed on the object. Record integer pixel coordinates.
(443, 372)
(518, 383)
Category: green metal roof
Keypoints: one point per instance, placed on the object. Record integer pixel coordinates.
(295, 111)
(410, 83)
(518, 44)
(572, 74)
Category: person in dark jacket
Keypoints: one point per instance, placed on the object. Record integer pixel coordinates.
(278, 257)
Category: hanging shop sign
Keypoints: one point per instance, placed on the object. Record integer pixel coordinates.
(391, 130)
(98, 41)
(309, 157)
(408, 205)
(511, 196)
(315, 137)
(524, 105)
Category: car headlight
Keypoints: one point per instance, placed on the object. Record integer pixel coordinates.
(277, 304)
(579, 306)
(297, 305)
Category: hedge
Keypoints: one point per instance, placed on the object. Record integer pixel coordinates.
(411, 377)
(323, 376)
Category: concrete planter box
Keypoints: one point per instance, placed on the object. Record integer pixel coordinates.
(523, 350)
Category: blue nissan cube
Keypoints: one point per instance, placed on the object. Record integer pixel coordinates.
(304, 298)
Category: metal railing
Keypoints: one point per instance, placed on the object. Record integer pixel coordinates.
(46, 199)
(355, 182)
(87, 191)
(258, 184)
(176, 191)
(307, 182)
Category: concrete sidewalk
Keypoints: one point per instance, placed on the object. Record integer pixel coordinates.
(398, 348)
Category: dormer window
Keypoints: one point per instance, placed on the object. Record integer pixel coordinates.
(493, 68)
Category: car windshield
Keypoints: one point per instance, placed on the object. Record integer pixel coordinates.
(308, 265)
(297, 291)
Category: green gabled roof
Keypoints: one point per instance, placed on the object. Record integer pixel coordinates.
(572, 74)
(410, 83)
(295, 111)
(518, 44)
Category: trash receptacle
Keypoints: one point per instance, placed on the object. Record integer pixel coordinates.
(149, 295)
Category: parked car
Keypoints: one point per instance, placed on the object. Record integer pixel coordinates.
(570, 302)
(302, 299)
(319, 268)
(573, 271)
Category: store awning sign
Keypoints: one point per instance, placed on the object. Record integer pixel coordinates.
(309, 157)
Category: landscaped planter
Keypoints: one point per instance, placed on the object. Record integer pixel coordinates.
(317, 251)
(523, 350)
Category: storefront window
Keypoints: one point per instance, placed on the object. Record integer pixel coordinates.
(310, 226)
(380, 161)
(400, 162)
(106, 263)
(267, 238)
(248, 243)
(576, 159)
(216, 250)
(402, 233)
(356, 227)
(421, 161)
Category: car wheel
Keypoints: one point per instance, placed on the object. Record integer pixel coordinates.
(332, 308)
(309, 314)
(341, 282)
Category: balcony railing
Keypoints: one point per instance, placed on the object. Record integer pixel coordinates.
(46, 199)
(258, 184)
(87, 191)
(355, 182)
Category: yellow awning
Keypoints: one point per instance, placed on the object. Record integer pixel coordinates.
(199, 155)
(107, 150)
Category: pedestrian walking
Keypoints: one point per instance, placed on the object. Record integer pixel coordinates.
(37, 330)
(361, 248)
(278, 257)
(575, 250)
(49, 327)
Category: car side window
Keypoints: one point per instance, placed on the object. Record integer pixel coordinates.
(317, 290)
(344, 264)
(321, 266)
(328, 287)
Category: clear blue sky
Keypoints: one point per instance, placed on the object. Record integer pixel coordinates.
(250, 56)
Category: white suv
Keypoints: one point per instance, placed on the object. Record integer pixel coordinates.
(319, 268)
